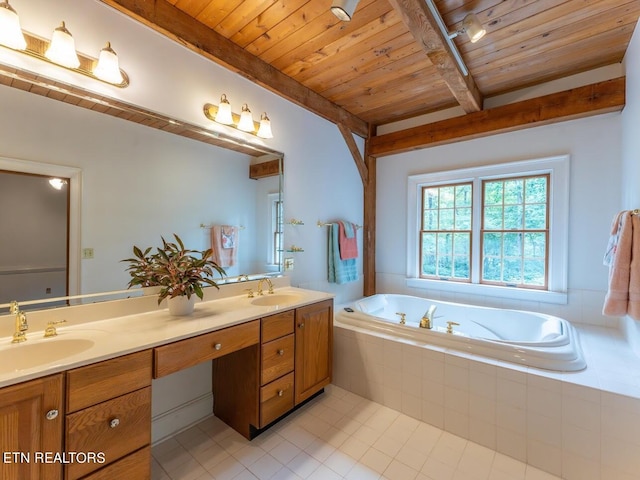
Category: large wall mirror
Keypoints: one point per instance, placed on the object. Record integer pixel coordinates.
(125, 184)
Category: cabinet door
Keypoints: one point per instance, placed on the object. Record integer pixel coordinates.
(314, 344)
(25, 431)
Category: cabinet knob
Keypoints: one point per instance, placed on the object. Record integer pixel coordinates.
(301, 325)
(52, 414)
(114, 422)
(217, 346)
(281, 352)
(280, 393)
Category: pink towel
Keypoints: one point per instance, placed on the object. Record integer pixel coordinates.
(224, 241)
(616, 301)
(348, 244)
(634, 276)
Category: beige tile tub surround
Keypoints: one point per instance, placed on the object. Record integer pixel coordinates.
(580, 425)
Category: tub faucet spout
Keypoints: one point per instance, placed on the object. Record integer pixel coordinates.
(427, 318)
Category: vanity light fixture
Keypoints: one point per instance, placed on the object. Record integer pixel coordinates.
(246, 120)
(10, 31)
(265, 127)
(108, 67)
(60, 50)
(222, 114)
(472, 27)
(343, 9)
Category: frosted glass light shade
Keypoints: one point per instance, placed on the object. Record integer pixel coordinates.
(62, 49)
(108, 67)
(343, 9)
(224, 115)
(246, 120)
(265, 127)
(10, 32)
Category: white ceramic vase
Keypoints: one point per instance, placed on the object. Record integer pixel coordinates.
(181, 305)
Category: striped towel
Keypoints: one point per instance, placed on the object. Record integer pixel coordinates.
(340, 271)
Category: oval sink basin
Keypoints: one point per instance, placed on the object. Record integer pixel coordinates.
(276, 300)
(24, 356)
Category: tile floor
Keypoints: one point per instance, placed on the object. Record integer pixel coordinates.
(338, 435)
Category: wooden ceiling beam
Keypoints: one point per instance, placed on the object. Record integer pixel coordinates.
(355, 152)
(424, 27)
(602, 97)
(179, 26)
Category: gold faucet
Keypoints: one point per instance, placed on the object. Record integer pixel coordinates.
(403, 317)
(21, 325)
(427, 318)
(265, 279)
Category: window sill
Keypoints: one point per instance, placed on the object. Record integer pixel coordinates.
(512, 293)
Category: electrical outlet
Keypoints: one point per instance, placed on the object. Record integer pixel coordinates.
(288, 263)
(87, 253)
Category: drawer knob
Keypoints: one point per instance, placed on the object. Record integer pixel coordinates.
(114, 422)
(280, 393)
(281, 352)
(301, 325)
(217, 346)
(52, 414)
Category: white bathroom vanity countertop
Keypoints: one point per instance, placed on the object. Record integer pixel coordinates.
(121, 335)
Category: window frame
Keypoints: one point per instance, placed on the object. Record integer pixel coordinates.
(558, 215)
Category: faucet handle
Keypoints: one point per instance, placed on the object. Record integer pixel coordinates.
(403, 316)
(50, 331)
(249, 292)
(450, 326)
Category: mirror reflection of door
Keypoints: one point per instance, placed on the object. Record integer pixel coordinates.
(34, 233)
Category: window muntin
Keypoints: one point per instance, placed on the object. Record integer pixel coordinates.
(515, 231)
(445, 234)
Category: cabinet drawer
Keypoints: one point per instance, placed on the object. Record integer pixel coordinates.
(192, 351)
(116, 427)
(277, 358)
(101, 381)
(276, 399)
(276, 326)
(137, 465)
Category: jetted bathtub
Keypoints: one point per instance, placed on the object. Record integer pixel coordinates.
(526, 338)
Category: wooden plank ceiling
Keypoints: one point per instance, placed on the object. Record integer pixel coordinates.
(378, 68)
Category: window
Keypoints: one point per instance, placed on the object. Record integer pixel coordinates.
(445, 246)
(515, 231)
(275, 245)
(498, 230)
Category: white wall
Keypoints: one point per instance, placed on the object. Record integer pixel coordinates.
(321, 181)
(594, 146)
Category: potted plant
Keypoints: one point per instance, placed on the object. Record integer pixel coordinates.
(178, 271)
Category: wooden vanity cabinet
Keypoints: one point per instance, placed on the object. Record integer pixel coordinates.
(109, 411)
(31, 422)
(314, 349)
(254, 387)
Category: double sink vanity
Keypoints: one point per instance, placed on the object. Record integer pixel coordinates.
(78, 405)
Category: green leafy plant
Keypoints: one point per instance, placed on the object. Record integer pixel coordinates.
(177, 270)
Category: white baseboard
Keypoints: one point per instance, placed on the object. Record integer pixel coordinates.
(167, 424)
